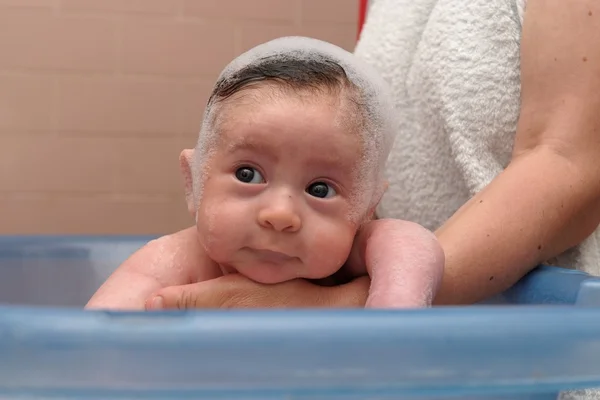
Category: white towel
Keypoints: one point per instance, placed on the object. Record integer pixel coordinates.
(454, 67)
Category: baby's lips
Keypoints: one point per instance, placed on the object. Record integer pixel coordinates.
(272, 256)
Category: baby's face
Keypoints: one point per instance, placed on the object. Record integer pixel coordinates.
(279, 195)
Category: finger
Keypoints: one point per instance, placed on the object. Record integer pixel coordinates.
(195, 295)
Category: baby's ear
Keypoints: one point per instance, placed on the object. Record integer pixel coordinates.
(185, 164)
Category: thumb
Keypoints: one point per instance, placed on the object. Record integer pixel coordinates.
(182, 297)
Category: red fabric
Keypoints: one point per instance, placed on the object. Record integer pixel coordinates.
(362, 13)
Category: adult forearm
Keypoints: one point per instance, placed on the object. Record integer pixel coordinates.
(541, 205)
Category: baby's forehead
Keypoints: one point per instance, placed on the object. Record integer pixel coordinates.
(295, 138)
(276, 104)
(322, 142)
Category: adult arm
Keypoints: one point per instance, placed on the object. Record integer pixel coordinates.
(237, 291)
(548, 198)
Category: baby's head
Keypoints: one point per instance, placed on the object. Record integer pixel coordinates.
(290, 159)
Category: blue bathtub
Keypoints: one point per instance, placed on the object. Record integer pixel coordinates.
(539, 338)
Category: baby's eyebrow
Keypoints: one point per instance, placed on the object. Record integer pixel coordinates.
(246, 144)
(243, 144)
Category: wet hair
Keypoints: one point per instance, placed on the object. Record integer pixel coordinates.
(319, 75)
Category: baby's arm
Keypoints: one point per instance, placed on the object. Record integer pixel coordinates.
(172, 260)
(403, 259)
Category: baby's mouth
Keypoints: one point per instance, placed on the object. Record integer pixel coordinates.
(270, 256)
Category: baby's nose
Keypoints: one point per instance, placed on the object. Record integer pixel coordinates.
(280, 219)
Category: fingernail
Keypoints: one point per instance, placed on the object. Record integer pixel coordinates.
(157, 303)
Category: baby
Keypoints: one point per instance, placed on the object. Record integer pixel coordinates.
(284, 182)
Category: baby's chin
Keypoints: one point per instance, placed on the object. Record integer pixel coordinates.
(265, 273)
(270, 273)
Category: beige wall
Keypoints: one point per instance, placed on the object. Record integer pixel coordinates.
(98, 97)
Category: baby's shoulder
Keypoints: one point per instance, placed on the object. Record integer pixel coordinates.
(179, 253)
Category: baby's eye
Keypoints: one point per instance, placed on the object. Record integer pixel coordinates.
(249, 175)
(321, 190)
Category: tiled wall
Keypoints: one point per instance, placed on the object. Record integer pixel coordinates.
(98, 97)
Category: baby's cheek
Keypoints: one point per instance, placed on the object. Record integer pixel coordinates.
(329, 251)
(214, 229)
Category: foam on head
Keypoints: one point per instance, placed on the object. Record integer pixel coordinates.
(375, 103)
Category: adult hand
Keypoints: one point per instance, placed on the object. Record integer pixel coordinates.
(237, 291)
